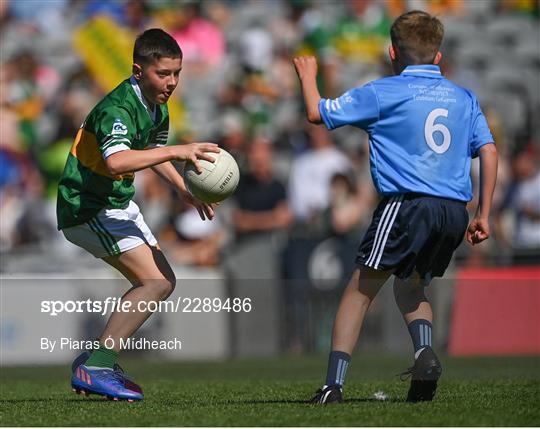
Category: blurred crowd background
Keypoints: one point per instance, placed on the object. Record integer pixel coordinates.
(305, 195)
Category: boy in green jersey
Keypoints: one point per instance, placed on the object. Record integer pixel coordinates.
(126, 132)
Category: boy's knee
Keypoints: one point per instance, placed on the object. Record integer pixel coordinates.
(407, 292)
(163, 287)
(168, 285)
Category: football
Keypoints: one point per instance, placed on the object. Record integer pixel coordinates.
(217, 181)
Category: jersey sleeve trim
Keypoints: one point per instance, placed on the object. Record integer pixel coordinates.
(110, 142)
(114, 149)
(325, 104)
(160, 140)
(477, 152)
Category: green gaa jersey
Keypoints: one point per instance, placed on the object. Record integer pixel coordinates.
(121, 121)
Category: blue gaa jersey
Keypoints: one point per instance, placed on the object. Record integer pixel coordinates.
(423, 131)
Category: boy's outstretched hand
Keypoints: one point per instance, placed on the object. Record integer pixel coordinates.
(478, 231)
(306, 67)
(205, 210)
(193, 152)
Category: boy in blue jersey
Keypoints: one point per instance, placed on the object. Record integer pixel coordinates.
(423, 131)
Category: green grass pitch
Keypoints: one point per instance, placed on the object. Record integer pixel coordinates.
(272, 392)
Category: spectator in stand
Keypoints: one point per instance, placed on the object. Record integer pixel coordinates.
(233, 135)
(79, 93)
(311, 172)
(202, 42)
(262, 202)
(136, 15)
(434, 7)
(525, 7)
(316, 39)
(347, 205)
(21, 186)
(361, 35)
(46, 17)
(113, 9)
(156, 201)
(31, 85)
(523, 200)
(198, 242)
(4, 12)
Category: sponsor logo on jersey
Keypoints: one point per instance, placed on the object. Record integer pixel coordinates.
(347, 97)
(119, 128)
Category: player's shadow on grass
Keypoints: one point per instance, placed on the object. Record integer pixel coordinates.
(51, 400)
(299, 401)
(373, 400)
(22, 401)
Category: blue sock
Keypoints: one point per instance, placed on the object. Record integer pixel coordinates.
(420, 330)
(338, 362)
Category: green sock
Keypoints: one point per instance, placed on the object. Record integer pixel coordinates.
(102, 357)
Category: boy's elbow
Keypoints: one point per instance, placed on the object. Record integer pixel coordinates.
(314, 117)
(489, 148)
(113, 165)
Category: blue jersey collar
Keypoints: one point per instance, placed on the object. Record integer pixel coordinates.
(423, 70)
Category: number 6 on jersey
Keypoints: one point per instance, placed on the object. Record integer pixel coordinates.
(430, 128)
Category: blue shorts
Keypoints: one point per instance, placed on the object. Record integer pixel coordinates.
(411, 232)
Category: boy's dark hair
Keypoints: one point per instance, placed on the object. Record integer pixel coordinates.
(417, 36)
(154, 44)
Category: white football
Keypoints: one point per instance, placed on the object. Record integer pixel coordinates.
(217, 181)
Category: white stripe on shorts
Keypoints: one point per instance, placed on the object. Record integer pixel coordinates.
(383, 229)
(379, 227)
(387, 233)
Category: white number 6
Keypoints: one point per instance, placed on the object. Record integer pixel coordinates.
(431, 128)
